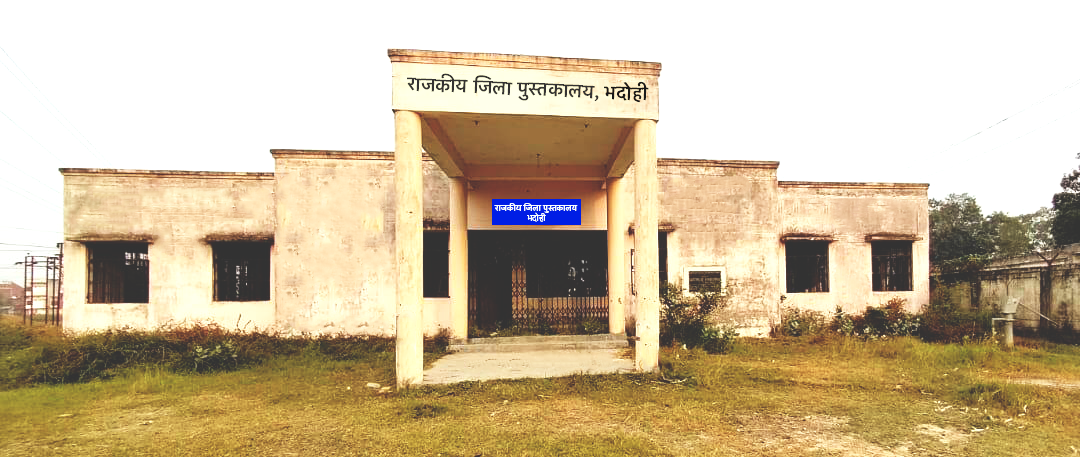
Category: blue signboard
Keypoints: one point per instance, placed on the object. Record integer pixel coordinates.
(540, 211)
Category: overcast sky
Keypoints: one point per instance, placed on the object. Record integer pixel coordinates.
(977, 97)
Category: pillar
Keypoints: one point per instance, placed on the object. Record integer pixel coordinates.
(459, 257)
(646, 257)
(409, 248)
(616, 247)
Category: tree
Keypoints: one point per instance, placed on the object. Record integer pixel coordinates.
(1011, 235)
(958, 229)
(1066, 226)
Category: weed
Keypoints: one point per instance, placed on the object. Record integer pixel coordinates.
(799, 322)
(688, 320)
(31, 356)
(943, 321)
(421, 410)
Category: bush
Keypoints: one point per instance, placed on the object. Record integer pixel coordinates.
(892, 319)
(31, 356)
(944, 321)
(688, 320)
(718, 340)
(799, 322)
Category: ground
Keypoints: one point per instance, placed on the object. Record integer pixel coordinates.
(837, 398)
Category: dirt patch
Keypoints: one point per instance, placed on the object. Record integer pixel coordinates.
(943, 435)
(780, 434)
(1067, 385)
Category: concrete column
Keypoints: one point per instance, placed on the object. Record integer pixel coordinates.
(409, 248)
(459, 257)
(646, 256)
(616, 245)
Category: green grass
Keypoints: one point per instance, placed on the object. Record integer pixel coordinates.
(768, 397)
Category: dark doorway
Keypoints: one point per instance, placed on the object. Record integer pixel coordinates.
(538, 281)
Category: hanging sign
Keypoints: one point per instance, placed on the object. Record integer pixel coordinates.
(544, 211)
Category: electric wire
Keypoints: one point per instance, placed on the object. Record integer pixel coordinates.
(30, 230)
(28, 175)
(27, 245)
(30, 197)
(81, 139)
(57, 159)
(1067, 87)
(1034, 130)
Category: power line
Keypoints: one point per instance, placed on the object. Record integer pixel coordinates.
(81, 139)
(1034, 130)
(1067, 87)
(28, 175)
(57, 159)
(28, 245)
(30, 230)
(30, 197)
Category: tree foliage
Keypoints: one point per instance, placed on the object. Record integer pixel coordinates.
(957, 229)
(1066, 225)
(963, 240)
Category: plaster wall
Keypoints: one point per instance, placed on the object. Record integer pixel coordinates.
(848, 213)
(723, 214)
(334, 257)
(176, 212)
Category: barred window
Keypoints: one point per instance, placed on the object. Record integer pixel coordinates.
(118, 273)
(891, 261)
(706, 279)
(807, 266)
(241, 271)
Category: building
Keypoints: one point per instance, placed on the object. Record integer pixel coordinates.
(11, 298)
(528, 190)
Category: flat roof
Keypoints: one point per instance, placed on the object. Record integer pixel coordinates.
(167, 173)
(484, 59)
(861, 185)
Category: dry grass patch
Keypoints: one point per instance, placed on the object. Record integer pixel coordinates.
(840, 398)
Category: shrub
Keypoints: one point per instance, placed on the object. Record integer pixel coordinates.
(592, 326)
(688, 320)
(30, 356)
(718, 340)
(799, 322)
(944, 321)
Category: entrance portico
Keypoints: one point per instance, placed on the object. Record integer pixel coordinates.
(523, 127)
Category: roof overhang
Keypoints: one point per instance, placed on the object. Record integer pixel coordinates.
(492, 117)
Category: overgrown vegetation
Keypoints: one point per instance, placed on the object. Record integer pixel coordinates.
(939, 321)
(689, 320)
(840, 396)
(42, 355)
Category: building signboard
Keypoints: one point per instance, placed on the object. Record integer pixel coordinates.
(542, 211)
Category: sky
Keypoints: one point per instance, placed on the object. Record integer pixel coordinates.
(971, 97)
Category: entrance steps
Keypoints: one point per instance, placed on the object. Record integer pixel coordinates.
(540, 343)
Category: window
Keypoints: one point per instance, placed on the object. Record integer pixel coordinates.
(436, 264)
(118, 273)
(661, 263)
(701, 279)
(891, 261)
(807, 266)
(241, 271)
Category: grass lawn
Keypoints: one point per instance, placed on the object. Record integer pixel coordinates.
(769, 397)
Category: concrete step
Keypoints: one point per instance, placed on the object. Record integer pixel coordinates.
(539, 343)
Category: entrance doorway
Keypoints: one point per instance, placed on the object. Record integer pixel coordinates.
(538, 281)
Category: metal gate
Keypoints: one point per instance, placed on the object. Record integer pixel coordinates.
(538, 281)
